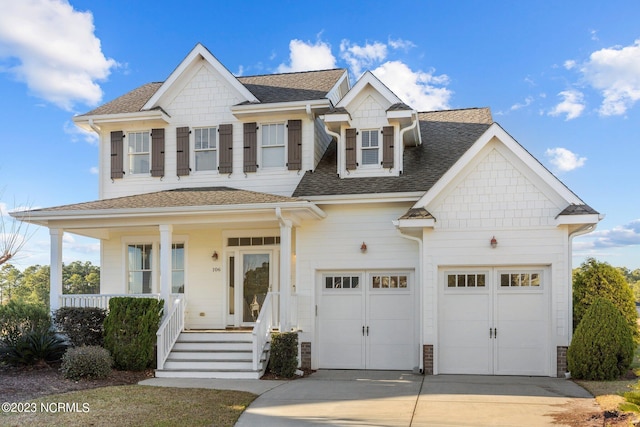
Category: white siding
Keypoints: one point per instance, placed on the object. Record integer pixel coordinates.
(496, 197)
(334, 244)
(202, 99)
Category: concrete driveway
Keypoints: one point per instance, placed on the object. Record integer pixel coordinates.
(385, 398)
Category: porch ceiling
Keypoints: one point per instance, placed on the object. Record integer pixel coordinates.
(180, 207)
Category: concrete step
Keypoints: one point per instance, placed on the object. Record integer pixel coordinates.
(210, 355)
(188, 373)
(216, 336)
(206, 365)
(213, 346)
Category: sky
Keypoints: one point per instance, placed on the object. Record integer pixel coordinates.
(562, 77)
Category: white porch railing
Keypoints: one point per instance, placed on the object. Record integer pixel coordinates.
(97, 300)
(267, 320)
(170, 329)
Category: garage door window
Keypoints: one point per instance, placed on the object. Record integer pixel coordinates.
(516, 280)
(342, 282)
(388, 282)
(466, 280)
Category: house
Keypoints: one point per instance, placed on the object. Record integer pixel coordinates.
(388, 238)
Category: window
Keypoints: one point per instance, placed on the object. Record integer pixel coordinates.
(139, 268)
(272, 145)
(342, 282)
(253, 241)
(177, 268)
(389, 282)
(370, 147)
(511, 280)
(466, 280)
(205, 148)
(139, 154)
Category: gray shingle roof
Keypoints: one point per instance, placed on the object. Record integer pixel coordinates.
(578, 210)
(308, 85)
(182, 197)
(302, 86)
(446, 136)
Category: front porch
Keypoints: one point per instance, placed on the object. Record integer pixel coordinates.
(191, 353)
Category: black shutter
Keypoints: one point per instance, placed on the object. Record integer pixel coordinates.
(294, 140)
(387, 147)
(250, 147)
(182, 151)
(351, 148)
(117, 153)
(225, 148)
(157, 152)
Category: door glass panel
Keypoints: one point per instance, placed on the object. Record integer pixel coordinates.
(232, 284)
(255, 284)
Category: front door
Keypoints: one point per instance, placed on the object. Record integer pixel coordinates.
(250, 277)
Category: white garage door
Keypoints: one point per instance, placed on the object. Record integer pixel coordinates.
(366, 321)
(494, 321)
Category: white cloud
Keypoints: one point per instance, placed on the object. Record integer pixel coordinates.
(570, 64)
(527, 101)
(615, 72)
(421, 90)
(572, 105)
(619, 236)
(53, 49)
(401, 44)
(94, 170)
(564, 160)
(76, 133)
(308, 56)
(362, 57)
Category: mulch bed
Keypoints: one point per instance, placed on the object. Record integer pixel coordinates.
(22, 384)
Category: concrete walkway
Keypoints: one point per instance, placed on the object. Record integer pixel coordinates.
(388, 398)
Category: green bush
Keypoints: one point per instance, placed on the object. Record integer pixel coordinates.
(602, 347)
(92, 362)
(19, 318)
(284, 354)
(595, 279)
(33, 348)
(130, 331)
(82, 325)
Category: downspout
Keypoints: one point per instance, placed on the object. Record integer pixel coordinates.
(579, 232)
(93, 126)
(338, 151)
(419, 280)
(408, 128)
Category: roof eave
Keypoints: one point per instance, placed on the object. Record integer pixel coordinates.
(261, 109)
(85, 121)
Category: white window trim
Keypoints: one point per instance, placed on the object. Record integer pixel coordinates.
(154, 241)
(285, 145)
(192, 151)
(361, 149)
(127, 159)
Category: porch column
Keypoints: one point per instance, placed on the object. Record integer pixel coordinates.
(165, 264)
(55, 272)
(285, 274)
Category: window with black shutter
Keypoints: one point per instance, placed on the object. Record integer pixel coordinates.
(225, 134)
(387, 147)
(182, 151)
(157, 152)
(117, 153)
(294, 137)
(250, 147)
(351, 149)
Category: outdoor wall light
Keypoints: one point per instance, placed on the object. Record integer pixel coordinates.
(494, 242)
(363, 247)
(214, 256)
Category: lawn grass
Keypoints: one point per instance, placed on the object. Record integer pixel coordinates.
(135, 405)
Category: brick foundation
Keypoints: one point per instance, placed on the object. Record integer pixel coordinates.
(305, 355)
(427, 359)
(562, 361)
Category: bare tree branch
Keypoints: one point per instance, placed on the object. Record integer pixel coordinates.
(14, 234)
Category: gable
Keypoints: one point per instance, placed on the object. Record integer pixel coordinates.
(496, 190)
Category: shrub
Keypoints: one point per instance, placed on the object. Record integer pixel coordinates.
(602, 347)
(130, 331)
(34, 347)
(19, 318)
(284, 354)
(92, 362)
(82, 325)
(594, 279)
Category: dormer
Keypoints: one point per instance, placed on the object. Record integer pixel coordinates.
(372, 126)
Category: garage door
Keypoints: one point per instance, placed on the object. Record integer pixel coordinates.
(494, 321)
(366, 321)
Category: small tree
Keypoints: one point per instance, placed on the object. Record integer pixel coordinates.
(594, 279)
(14, 234)
(602, 347)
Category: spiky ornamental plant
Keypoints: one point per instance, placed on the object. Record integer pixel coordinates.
(602, 347)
